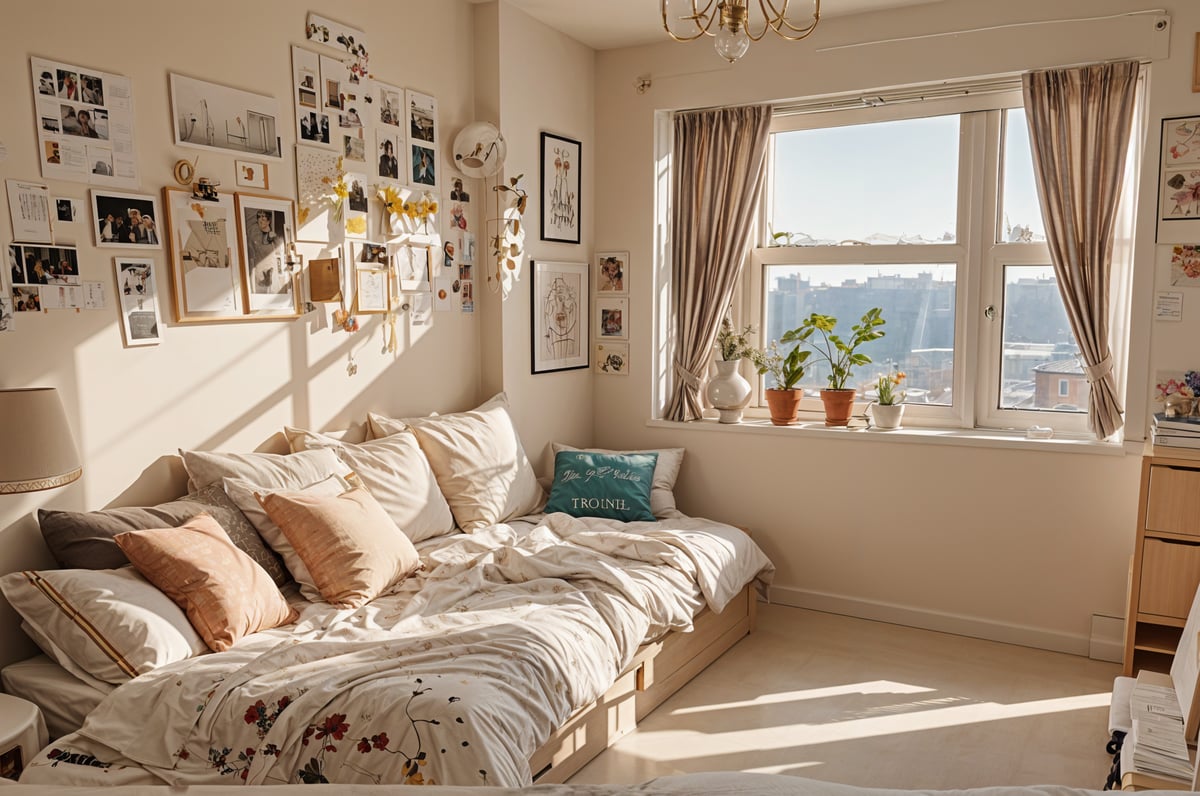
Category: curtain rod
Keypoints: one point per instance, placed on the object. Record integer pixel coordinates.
(1161, 26)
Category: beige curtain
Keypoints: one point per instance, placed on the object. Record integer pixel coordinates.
(718, 163)
(1079, 127)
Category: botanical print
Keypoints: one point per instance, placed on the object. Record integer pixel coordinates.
(1185, 265)
(211, 116)
(1181, 141)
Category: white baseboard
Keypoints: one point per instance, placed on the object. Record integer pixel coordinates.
(958, 624)
(1108, 639)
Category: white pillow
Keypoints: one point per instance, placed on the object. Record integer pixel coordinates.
(284, 470)
(107, 624)
(479, 462)
(666, 471)
(396, 473)
(242, 492)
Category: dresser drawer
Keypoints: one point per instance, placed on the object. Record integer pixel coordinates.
(1170, 576)
(1173, 503)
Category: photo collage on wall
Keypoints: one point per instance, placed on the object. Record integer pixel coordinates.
(612, 313)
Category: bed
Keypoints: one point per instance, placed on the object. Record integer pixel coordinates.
(502, 639)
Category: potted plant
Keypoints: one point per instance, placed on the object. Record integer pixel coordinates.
(843, 356)
(888, 408)
(728, 392)
(786, 371)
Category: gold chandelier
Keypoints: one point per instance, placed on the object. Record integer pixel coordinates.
(687, 20)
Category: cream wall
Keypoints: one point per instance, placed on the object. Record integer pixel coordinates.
(233, 386)
(1011, 544)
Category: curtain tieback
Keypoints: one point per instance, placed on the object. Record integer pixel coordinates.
(692, 379)
(1100, 370)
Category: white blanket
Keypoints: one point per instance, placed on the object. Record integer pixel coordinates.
(455, 678)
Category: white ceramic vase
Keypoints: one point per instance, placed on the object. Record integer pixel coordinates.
(728, 391)
(887, 417)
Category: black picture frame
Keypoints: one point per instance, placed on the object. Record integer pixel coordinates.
(561, 181)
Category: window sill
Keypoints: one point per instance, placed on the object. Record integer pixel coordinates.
(857, 432)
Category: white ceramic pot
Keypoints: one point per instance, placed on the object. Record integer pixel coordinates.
(728, 392)
(886, 417)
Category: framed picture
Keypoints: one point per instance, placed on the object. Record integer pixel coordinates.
(559, 308)
(125, 219)
(372, 277)
(612, 318)
(206, 282)
(422, 118)
(1179, 180)
(612, 273)
(266, 234)
(138, 297)
(560, 188)
(612, 359)
(211, 116)
(251, 175)
(1196, 65)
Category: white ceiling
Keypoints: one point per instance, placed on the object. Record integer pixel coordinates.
(608, 24)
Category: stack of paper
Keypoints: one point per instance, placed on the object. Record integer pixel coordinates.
(1156, 742)
(1179, 432)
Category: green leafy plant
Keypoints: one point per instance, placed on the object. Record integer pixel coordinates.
(785, 369)
(843, 355)
(734, 344)
(886, 388)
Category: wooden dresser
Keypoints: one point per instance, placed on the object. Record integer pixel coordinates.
(1165, 571)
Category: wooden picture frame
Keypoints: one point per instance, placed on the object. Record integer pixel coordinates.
(372, 277)
(559, 316)
(266, 237)
(206, 268)
(251, 174)
(561, 180)
(137, 298)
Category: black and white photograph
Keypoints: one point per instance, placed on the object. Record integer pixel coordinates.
(267, 230)
(138, 297)
(386, 149)
(26, 299)
(424, 166)
(93, 88)
(6, 303)
(126, 219)
(45, 83)
(357, 198)
(352, 42)
(354, 147)
(44, 265)
(84, 122)
(314, 127)
(390, 101)
(67, 210)
(422, 117)
(211, 116)
(68, 85)
(369, 255)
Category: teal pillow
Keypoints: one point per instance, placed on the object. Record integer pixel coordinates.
(615, 486)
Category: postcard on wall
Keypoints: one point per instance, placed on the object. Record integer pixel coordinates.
(1185, 265)
(389, 105)
(138, 297)
(612, 318)
(211, 116)
(443, 294)
(423, 165)
(612, 273)
(352, 43)
(389, 144)
(612, 358)
(412, 267)
(29, 208)
(84, 123)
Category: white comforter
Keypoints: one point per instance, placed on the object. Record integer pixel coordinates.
(455, 678)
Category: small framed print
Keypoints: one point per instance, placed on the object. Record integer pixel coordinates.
(1179, 180)
(612, 318)
(559, 316)
(560, 188)
(412, 267)
(612, 273)
(125, 219)
(138, 297)
(250, 174)
(371, 290)
(612, 359)
(267, 228)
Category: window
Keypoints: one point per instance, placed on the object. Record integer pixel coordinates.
(929, 210)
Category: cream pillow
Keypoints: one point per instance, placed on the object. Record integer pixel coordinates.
(350, 546)
(479, 463)
(397, 474)
(107, 624)
(268, 469)
(662, 487)
(224, 593)
(242, 492)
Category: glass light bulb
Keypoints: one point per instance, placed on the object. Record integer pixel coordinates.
(731, 44)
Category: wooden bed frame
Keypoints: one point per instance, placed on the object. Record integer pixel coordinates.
(658, 670)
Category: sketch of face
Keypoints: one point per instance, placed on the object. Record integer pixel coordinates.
(561, 309)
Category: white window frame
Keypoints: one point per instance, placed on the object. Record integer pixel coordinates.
(978, 254)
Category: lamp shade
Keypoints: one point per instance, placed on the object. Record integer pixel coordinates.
(36, 448)
(479, 149)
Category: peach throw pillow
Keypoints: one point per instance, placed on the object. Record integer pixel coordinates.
(225, 593)
(351, 547)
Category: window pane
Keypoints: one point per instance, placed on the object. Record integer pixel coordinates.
(888, 182)
(918, 305)
(1040, 364)
(1021, 218)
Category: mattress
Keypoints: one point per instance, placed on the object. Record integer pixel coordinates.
(65, 700)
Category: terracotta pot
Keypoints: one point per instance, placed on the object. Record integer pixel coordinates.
(784, 405)
(839, 405)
